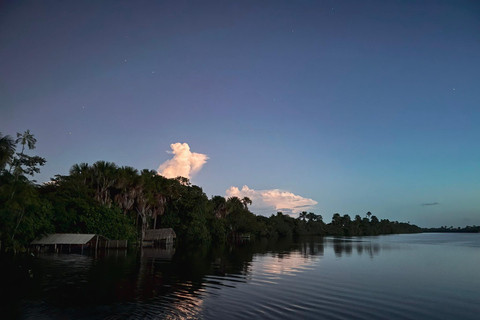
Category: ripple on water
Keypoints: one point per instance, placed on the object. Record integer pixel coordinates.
(281, 285)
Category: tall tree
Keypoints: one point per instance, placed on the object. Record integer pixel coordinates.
(19, 200)
(26, 139)
(127, 186)
(144, 199)
(219, 205)
(369, 214)
(105, 174)
(246, 202)
(23, 164)
(83, 172)
(7, 150)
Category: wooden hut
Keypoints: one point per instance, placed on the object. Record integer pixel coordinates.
(159, 236)
(70, 241)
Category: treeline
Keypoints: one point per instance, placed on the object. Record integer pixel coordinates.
(122, 202)
(340, 225)
(467, 229)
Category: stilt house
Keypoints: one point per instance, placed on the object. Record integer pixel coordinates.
(159, 236)
(70, 241)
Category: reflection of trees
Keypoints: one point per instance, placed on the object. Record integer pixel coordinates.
(176, 281)
(345, 246)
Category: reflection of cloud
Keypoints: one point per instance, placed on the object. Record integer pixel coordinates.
(265, 201)
(184, 163)
(288, 264)
(430, 204)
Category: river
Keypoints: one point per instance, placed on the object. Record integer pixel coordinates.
(414, 276)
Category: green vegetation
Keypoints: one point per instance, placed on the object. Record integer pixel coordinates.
(467, 229)
(122, 202)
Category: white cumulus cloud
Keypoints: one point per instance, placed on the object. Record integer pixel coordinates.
(270, 201)
(184, 162)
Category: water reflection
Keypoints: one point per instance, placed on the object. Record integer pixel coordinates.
(265, 277)
(360, 245)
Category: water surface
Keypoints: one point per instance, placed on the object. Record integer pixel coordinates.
(418, 276)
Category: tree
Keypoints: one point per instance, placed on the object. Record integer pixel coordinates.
(313, 217)
(346, 220)
(144, 199)
(23, 164)
(7, 150)
(336, 219)
(246, 201)
(126, 185)
(82, 172)
(20, 205)
(302, 215)
(26, 139)
(104, 177)
(159, 198)
(219, 207)
(234, 204)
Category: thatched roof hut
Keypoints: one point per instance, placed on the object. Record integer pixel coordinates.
(166, 235)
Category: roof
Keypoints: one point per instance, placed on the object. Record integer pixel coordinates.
(65, 238)
(159, 234)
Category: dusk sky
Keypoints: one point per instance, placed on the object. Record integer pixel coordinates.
(322, 106)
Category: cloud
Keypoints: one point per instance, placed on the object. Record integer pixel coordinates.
(430, 204)
(184, 163)
(269, 201)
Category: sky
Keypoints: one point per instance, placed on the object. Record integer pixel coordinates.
(318, 106)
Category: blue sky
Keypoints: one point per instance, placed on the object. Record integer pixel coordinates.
(356, 105)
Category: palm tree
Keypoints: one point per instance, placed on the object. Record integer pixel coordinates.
(7, 150)
(234, 204)
(26, 139)
(144, 199)
(302, 215)
(104, 173)
(82, 174)
(219, 207)
(246, 201)
(126, 183)
(159, 197)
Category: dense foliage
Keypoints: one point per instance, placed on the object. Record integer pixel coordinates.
(121, 203)
(467, 229)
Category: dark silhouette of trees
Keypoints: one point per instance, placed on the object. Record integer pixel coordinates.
(7, 150)
(22, 212)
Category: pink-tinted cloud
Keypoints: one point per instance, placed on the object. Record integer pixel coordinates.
(270, 201)
(184, 162)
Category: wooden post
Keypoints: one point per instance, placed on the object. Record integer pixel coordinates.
(96, 247)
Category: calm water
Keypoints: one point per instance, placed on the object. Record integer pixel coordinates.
(420, 276)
